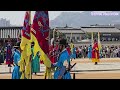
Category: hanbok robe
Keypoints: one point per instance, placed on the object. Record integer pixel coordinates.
(9, 59)
(35, 63)
(16, 74)
(63, 57)
(89, 52)
(74, 53)
(95, 53)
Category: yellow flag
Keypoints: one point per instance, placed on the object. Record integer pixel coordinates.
(25, 66)
(99, 43)
(40, 35)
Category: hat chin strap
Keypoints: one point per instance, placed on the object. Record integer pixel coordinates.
(63, 48)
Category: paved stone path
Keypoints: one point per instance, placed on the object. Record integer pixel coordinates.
(84, 69)
(80, 67)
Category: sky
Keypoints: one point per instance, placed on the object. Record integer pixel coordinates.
(17, 17)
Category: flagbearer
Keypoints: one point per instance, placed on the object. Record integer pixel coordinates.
(63, 62)
(16, 74)
(35, 61)
(25, 45)
(40, 35)
(71, 49)
(95, 53)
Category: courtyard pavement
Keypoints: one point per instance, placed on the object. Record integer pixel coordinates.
(83, 65)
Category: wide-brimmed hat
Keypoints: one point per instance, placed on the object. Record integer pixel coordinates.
(63, 42)
(32, 43)
(17, 45)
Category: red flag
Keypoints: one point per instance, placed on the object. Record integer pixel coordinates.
(26, 47)
(26, 26)
(40, 32)
(25, 33)
(41, 25)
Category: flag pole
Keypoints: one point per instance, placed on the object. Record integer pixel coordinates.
(99, 43)
(53, 52)
(98, 40)
(53, 42)
(46, 71)
(71, 44)
(71, 36)
(92, 39)
(30, 48)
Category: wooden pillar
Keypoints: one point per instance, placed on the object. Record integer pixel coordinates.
(80, 37)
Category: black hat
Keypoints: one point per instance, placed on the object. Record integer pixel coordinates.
(17, 45)
(63, 42)
(32, 43)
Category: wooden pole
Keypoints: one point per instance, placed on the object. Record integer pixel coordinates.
(71, 36)
(54, 33)
(71, 46)
(92, 39)
(46, 67)
(30, 44)
(24, 69)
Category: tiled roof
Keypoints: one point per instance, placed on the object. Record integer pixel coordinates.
(103, 29)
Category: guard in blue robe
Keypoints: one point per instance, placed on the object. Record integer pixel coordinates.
(90, 52)
(1, 56)
(16, 74)
(63, 62)
(35, 61)
(36, 64)
(74, 53)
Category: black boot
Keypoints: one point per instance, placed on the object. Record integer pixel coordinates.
(96, 63)
(9, 65)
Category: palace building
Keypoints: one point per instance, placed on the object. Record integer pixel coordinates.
(108, 34)
(13, 32)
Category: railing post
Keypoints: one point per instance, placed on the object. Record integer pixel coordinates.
(73, 75)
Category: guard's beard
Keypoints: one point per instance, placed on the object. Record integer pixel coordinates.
(60, 49)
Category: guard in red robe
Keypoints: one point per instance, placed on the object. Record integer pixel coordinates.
(53, 53)
(51, 56)
(9, 59)
(95, 53)
(68, 49)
